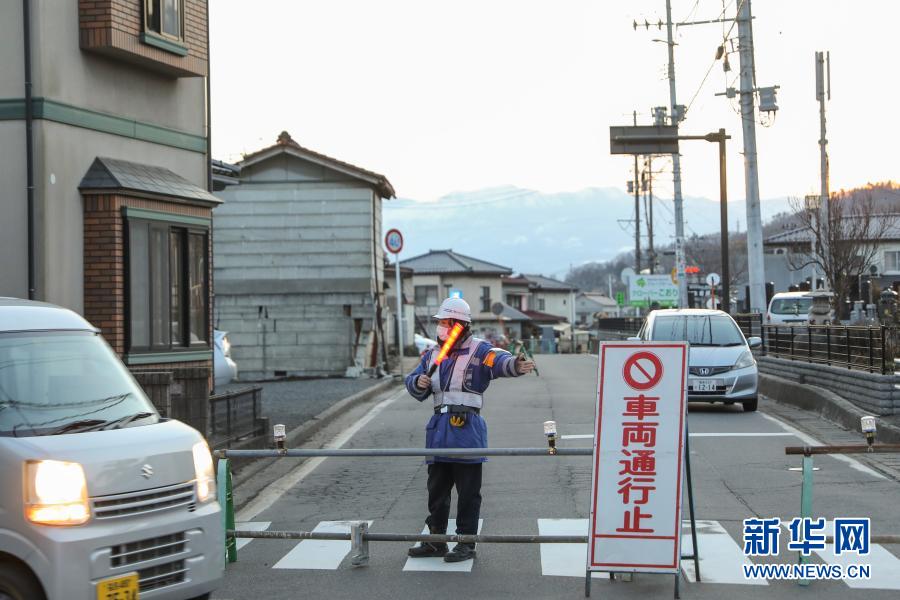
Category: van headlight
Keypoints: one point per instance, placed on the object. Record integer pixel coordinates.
(55, 493)
(744, 360)
(203, 467)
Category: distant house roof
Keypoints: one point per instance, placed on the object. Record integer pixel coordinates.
(599, 298)
(804, 235)
(516, 281)
(548, 283)
(224, 174)
(117, 174)
(542, 317)
(448, 261)
(511, 314)
(285, 143)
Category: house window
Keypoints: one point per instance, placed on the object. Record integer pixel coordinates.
(541, 305)
(892, 260)
(168, 286)
(165, 17)
(514, 301)
(426, 295)
(485, 299)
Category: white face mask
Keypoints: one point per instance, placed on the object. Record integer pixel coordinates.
(442, 332)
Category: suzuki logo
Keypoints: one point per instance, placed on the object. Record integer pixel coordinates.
(147, 471)
(704, 371)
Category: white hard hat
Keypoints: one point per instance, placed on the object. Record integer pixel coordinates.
(454, 308)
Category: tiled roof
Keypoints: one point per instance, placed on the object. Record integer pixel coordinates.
(548, 283)
(286, 142)
(601, 299)
(804, 235)
(521, 281)
(448, 261)
(116, 174)
(511, 314)
(542, 317)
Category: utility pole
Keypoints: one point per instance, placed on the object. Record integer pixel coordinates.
(674, 116)
(823, 59)
(637, 213)
(647, 188)
(755, 265)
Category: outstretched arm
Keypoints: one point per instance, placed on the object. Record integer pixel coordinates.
(503, 364)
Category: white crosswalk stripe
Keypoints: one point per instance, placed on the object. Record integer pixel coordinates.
(885, 573)
(437, 563)
(721, 555)
(250, 526)
(319, 554)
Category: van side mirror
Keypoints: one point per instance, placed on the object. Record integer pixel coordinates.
(754, 341)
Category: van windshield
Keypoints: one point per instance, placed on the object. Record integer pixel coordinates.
(58, 382)
(791, 306)
(699, 330)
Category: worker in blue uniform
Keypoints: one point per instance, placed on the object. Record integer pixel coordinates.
(457, 390)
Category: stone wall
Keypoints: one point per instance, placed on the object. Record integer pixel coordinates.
(872, 392)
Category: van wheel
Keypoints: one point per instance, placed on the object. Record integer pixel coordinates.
(750, 405)
(17, 583)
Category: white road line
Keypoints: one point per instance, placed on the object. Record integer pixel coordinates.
(319, 554)
(578, 436)
(564, 560)
(811, 441)
(275, 490)
(720, 556)
(885, 566)
(437, 563)
(250, 526)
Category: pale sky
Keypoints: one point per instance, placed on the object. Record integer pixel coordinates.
(443, 97)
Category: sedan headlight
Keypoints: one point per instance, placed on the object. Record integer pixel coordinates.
(203, 467)
(744, 360)
(55, 493)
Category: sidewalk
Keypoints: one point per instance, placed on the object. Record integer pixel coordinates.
(830, 433)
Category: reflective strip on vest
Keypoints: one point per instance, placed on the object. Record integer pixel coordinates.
(455, 394)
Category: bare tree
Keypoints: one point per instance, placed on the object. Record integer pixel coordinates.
(855, 230)
(706, 252)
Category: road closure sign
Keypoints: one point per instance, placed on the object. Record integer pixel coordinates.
(638, 456)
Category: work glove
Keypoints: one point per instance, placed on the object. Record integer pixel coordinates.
(423, 382)
(524, 365)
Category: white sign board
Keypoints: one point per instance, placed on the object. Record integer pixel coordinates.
(644, 290)
(713, 279)
(638, 456)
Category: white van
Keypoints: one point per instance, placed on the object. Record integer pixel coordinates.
(789, 308)
(100, 497)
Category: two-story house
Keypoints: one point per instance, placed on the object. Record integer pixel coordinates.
(105, 172)
(299, 263)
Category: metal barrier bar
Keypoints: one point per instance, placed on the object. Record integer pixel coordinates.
(412, 537)
(854, 449)
(350, 452)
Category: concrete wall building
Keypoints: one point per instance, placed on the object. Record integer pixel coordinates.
(299, 264)
(589, 304)
(115, 134)
(552, 296)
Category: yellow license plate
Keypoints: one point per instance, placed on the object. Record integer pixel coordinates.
(118, 588)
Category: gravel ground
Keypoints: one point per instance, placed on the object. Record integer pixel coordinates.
(295, 402)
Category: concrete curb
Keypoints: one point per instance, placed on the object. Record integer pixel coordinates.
(823, 402)
(244, 469)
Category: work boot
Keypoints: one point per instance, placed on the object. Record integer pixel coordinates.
(460, 553)
(428, 549)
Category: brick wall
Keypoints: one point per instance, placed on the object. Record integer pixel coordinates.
(113, 27)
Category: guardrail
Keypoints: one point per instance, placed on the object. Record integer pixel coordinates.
(806, 488)
(359, 535)
(861, 348)
(235, 415)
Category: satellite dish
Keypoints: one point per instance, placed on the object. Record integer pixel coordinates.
(497, 308)
(626, 274)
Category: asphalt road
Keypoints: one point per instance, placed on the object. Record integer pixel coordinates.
(739, 471)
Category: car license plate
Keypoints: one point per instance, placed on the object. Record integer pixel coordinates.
(705, 385)
(118, 588)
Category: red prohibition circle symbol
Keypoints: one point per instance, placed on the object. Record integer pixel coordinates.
(642, 371)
